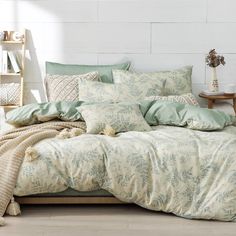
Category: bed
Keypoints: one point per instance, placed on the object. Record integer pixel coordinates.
(122, 142)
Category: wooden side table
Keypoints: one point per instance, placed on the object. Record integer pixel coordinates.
(212, 98)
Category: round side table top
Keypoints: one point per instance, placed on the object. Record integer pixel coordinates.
(220, 97)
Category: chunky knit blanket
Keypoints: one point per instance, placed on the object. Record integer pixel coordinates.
(13, 145)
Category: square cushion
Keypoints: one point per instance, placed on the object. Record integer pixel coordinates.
(121, 117)
(10, 94)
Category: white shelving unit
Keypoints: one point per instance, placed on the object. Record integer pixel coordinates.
(19, 46)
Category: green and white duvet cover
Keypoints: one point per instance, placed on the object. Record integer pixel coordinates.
(172, 169)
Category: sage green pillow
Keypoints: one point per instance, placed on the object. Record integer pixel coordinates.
(122, 117)
(105, 71)
(176, 82)
(193, 117)
(41, 112)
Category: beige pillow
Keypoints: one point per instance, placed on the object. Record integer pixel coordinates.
(176, 82)
(9, 94)
(188, 98)
(66, 87)
(122, 117)
(107, 92)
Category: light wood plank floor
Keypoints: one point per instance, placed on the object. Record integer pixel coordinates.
(107, 220)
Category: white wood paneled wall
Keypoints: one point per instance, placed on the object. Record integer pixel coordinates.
(153, 34)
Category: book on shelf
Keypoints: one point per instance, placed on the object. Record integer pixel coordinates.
(10, 62)
(5, 62)
(14, 62)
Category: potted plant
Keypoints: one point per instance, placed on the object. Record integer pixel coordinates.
(213, 60)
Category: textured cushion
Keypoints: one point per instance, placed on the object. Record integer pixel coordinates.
(105, 71)
(120, 116)
(104, 92)
(177, 82)
(9, 94)
(188, 98)
(66, 87)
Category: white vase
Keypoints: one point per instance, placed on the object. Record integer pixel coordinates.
(213, 85)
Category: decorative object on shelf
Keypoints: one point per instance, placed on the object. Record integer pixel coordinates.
(6, 35)
(17, 36)
(213, 60)
(230, 89)
(12, 69)
(2, 35)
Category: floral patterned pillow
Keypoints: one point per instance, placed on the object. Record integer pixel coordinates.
(121, 117)
(93, 91)
(188, 98)
(176, 82)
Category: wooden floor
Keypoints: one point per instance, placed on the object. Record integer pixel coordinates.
(107, 220)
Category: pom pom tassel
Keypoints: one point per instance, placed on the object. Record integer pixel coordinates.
(13, 208)
(2, 221)
(31, 154)
(64, 134)
(109, 131)
(75, 132)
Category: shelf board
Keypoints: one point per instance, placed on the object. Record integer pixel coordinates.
(10, 74)
(10, 106)
(11, 42)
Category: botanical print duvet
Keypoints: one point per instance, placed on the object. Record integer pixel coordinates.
(172, 169)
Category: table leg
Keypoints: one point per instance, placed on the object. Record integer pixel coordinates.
(210, 103)
(234, 104)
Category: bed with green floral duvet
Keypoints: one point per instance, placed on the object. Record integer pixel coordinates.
(163, 156)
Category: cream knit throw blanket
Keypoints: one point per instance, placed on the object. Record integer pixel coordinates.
(13, 145)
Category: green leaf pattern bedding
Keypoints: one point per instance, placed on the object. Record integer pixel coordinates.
(172, 169)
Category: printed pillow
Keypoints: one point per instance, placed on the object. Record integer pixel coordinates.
(188, 98)
(105, 71)
(121, 117)
(9, 94)
(105, 92)
(66, 87)
(177, 82)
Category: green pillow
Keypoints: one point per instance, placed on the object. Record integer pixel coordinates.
(193, 117)
(105, 71)
(41, 112)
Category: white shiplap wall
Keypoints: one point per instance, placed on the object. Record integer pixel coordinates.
(153, 34)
